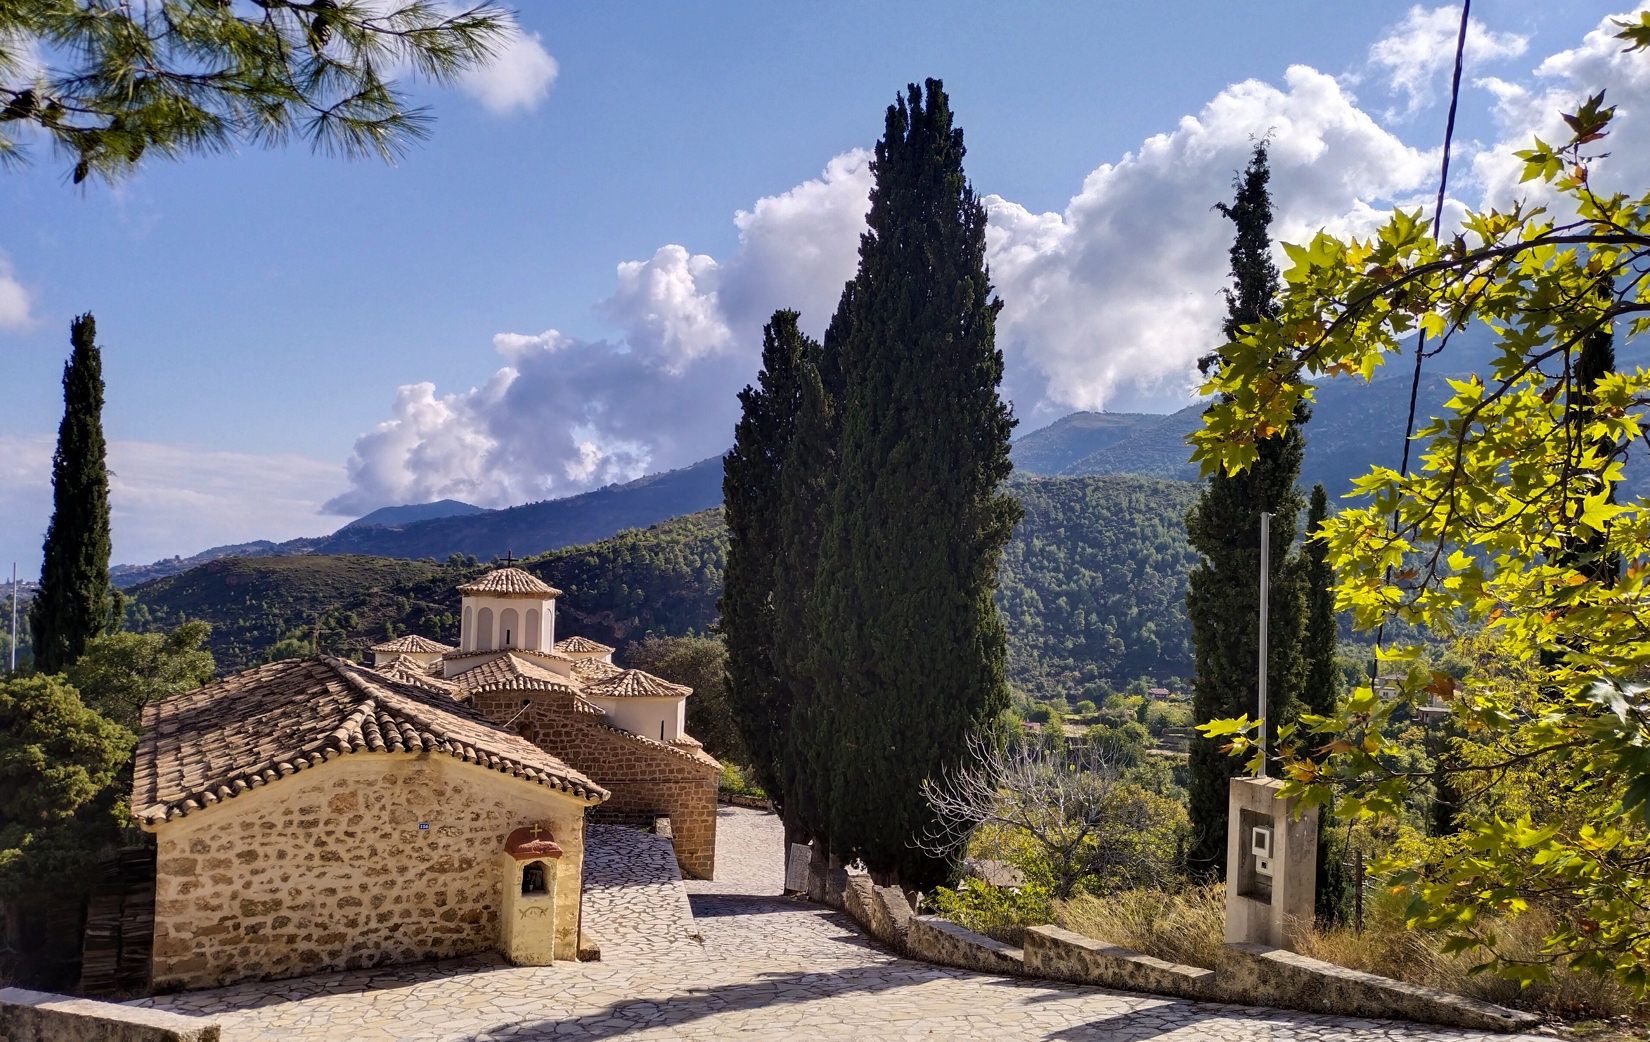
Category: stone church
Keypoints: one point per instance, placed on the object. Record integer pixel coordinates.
(318, 814)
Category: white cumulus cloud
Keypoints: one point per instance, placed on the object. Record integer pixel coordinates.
(668, 307)
(563, 415)
(16, 302)
(1558, 84)
(171, 499)
(1417, 54)
(1107, 303)
(517, 78)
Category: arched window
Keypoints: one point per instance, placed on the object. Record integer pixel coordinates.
(509, 624)
(533, 880)
(484, 630)
(466, 629)
(530, 636)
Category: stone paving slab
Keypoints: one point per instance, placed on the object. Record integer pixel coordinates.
(770, 968)
(634, 900)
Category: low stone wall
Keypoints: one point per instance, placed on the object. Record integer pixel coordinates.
(936, 940)
(1249, 974)
(37, 1016)
(1262, 976)
(1060, 954)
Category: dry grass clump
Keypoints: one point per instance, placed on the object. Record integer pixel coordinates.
(1387, 947)
(1185, 926)
(1188, 926)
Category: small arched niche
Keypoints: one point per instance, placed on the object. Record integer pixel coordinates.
(534, 879)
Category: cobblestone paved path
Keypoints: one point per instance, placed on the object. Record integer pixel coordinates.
(768, 969)
(634, 900)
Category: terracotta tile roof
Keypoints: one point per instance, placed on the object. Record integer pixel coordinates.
(553, 656)
(205, 746)
(510, 582)
(509, 671)
(591, 669)
(548, 656)
(691, 750)
(633, 683)
(412, 644)
(407, 671)
(582, 646)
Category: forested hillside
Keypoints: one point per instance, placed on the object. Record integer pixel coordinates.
(1354, 426)
(1093, 588)
(534, 528)
(662, 579)
(438, 530)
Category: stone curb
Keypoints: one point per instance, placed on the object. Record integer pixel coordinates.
(38, 1016)
(1250, 974)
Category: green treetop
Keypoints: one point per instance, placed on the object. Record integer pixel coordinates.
(752, 472)
(75, 602)
(116, 82)
(1500, 528)
(59, 764)
(1321, 637)
(910, 644)
(120, 673)
(1223, 592)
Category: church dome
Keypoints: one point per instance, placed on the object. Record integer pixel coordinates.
(509, 582)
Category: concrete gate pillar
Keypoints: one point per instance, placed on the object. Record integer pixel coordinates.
(1271, 864)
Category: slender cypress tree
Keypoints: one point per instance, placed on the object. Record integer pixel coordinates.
(1595, 361)
(75, 602)
(1322, 636)
(1319, 691)
(808, 755)
(909, 644)
(1223, 591)
(751, 480)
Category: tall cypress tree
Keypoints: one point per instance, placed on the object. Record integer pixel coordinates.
(751, 487)
(75, 602)
(909, 644)
(808, 755)
(1223, 591)
(1319, 689)
(1595, 361)
(1322, 635)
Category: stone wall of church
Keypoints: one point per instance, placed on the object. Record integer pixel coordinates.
(331, 869)
(647, 778)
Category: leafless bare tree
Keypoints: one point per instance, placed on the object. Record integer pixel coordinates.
(1086, 821)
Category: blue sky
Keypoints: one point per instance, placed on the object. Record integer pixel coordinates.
(259, 310)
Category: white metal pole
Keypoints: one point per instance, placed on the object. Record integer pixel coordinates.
(1265, 613)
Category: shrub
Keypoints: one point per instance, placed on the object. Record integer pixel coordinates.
(1122, 745)
(1001, 913)
(736, 781)
(1067, 826)
(1161, 716)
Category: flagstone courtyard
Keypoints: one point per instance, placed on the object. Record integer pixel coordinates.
(728, 959)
